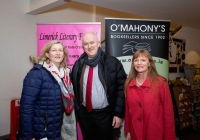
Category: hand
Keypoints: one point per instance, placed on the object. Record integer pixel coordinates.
(33, 138)
(128, 136)
(117, 122)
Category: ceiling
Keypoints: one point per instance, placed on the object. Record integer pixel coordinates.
(182, 12)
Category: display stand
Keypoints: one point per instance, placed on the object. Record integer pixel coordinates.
(176, 116)
(193, 75)
(184, 100)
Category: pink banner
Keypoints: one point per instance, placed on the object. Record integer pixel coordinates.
(70, 34)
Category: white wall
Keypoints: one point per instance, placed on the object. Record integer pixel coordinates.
(102, 13)
(18, 42)
(192, 50)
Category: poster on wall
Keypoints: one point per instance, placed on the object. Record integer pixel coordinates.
(176, 55)
(70, 34)
(125, 36)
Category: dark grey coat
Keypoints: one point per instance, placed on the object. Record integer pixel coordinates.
(112, 76)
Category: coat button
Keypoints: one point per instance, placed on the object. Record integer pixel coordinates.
(140, 105)
(139, 119)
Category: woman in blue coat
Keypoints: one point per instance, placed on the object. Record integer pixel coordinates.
(46, 105)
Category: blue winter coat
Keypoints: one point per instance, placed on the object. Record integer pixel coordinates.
(40, 106)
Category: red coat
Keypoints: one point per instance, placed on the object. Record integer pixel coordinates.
(149, 111)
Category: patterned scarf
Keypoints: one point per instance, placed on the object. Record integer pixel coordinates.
(61, 75)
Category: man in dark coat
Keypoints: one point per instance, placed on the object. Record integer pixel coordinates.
(101, 113)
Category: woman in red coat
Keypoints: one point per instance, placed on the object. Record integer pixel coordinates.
(149, 111)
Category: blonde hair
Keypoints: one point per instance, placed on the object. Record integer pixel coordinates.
(152, 72)
(46, 49)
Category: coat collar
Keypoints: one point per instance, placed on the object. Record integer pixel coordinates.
(145, 84)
